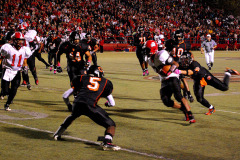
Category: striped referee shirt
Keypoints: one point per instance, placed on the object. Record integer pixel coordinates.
(208, 45)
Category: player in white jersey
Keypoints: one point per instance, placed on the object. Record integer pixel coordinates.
(33, 42)
(163, 64)
(14, 57)
(159, 38)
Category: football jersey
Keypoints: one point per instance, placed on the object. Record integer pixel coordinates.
(92, 43)
(140, 39)
(199, 72)
(90, 89)
(74, 54)
(178, 50)
(158, 39)
(30, 35)
(160, 59)
(13, 58)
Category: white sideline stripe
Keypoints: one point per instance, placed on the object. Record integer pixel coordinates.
(88, 141)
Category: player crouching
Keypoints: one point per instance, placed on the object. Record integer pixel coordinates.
(88, 90)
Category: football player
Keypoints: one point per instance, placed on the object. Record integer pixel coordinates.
(159, 38)
(89, 89)
(93, 44)
(163, 64)
(33, 42)
(202, 77)
(76, 65)
(176, 47)
(14, 57)
(53, 45)
(139, 40)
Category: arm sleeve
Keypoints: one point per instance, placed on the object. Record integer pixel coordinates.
(108, 89)
(111, 101)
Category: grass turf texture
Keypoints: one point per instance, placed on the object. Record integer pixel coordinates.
(144, 124)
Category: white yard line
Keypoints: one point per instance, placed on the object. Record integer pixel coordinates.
(88, 141)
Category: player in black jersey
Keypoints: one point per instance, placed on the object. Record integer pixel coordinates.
(53, 43)
(203, 77)
(176, 48)
(76, 65)
(139, 40)
(75, 52)
(89, 89)
(92, 42)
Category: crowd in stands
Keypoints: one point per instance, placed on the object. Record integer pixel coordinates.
(115, 20)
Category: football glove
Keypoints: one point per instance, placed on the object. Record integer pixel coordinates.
(107, 104)
(25, 69)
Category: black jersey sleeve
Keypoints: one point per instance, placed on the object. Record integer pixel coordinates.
(108, 89)
(169, 45)
(85, 47)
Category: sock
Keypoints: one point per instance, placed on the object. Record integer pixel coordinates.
(211, 107)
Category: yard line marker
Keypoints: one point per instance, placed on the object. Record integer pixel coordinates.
(88, 141)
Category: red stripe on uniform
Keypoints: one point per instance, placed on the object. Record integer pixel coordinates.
(100, 94)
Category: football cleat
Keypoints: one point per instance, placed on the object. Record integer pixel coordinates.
(232, 71)
(192, 121)
(57, 138)
(50, 68)
(29, 87)
(36, 82)
(24, 83)
(210, 111)
(7, 108)
(147, 73)
(55, 71)
(2, 97)
(110, 146)
(144, 73)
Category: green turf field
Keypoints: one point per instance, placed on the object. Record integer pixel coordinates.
(146, 129)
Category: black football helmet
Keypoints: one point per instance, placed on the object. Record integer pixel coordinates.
(74, 38)
(96, 71)
(88, 35)
(140, 29)
(185, 59)
(178, 36)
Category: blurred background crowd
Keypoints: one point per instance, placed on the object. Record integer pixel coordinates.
(116, 21)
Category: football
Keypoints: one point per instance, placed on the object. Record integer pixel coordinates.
(165, 69)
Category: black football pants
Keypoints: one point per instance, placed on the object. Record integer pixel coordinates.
(11, 92)
(169, 87)
(97, 114)
(212, 81)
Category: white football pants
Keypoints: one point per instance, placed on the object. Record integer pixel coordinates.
(209, 56)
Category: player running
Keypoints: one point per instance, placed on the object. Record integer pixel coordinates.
(163, 64)
(14, 57)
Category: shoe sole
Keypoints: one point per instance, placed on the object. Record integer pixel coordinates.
(210, 113)
(116, 148)
(192, 121)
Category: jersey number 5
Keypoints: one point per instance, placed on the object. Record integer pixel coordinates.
(94, 83)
